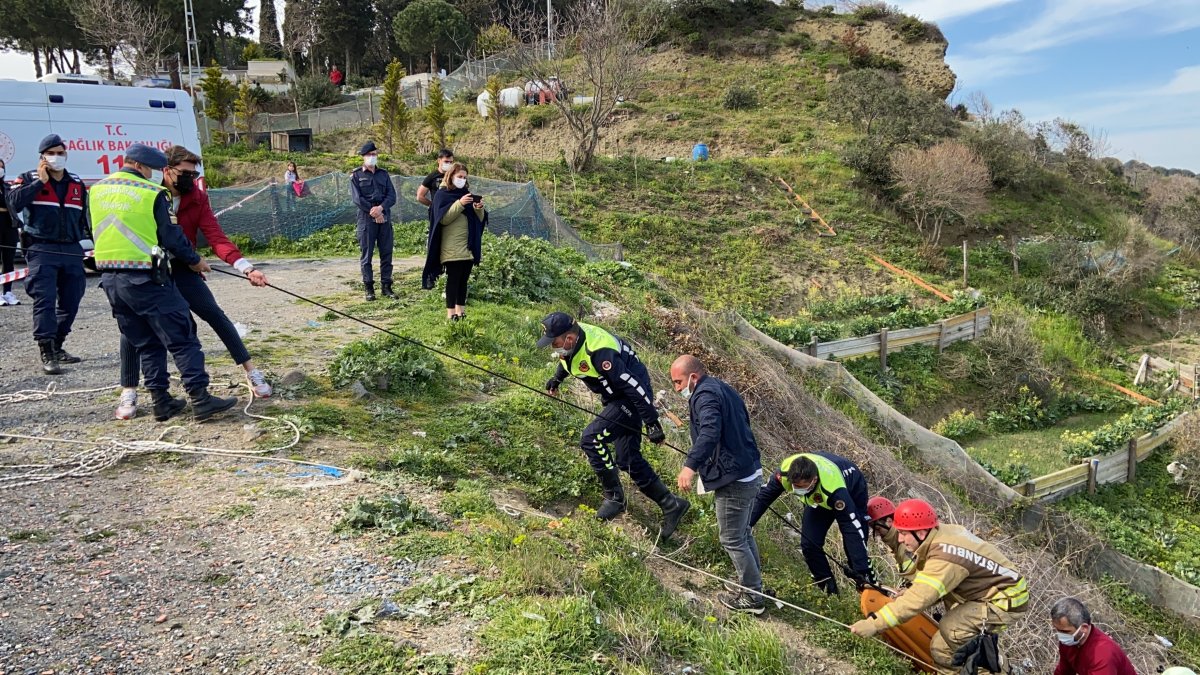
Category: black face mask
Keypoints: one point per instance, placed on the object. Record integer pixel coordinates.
(185, 183)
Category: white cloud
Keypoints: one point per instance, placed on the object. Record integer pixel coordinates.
(1186, 81)
(1174, 147)
(977, 70)
(946, 10)
(1066, 21)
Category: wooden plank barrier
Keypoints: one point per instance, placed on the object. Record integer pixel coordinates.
(946, 332)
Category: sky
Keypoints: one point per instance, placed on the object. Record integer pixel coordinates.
(1129, 69)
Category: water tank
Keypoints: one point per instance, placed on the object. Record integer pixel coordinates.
(700, 152)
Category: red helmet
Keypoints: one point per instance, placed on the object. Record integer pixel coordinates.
(915, 514)
(879, 508)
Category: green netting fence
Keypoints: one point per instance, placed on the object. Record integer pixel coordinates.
(263, 212)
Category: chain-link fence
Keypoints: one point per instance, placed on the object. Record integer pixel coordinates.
(273, 210)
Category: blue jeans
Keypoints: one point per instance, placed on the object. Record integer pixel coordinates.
(734, 504)
(201, 302)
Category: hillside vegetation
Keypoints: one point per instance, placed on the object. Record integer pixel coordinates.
(1083, 261)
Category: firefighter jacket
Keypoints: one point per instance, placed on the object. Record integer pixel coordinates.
(57, 209)
(904, 559)
(610, 368)
(955, 565)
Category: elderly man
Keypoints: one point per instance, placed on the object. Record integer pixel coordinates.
(725, 456)
(1084, 649)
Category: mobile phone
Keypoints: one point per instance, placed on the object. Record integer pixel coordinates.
(477, 198)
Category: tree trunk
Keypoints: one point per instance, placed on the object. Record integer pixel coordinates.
(76, 68)
(108, 61)
(433, 62)
(37, 62)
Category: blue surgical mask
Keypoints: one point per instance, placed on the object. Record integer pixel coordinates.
(1069, 639)
(156, 177)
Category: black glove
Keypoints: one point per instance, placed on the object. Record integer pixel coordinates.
(553, 384)
(654, 432)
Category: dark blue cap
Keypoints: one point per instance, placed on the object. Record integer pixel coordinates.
(51, 141)
(554, 325)
(369, 146)
(146, 156)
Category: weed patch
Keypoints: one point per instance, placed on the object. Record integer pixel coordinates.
(389, 364)
(392, 515)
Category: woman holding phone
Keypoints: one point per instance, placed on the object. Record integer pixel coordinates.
(456, 222)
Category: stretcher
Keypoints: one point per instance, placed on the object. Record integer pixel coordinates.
(911, 637)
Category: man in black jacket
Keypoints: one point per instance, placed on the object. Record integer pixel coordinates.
(613, 441)
(725, 456)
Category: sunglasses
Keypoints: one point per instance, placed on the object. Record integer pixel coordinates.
(182, 172)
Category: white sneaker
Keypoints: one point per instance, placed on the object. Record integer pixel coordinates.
(127, 408)
(10, 299)
(258, 382)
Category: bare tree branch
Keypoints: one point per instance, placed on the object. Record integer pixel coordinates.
(138, 36)
(943, 184)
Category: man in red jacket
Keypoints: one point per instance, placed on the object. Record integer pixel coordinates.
(195, 216)
(1084, 649)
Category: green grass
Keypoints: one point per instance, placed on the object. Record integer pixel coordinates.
(1040, 451)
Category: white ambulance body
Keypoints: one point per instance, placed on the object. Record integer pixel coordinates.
(97, 124)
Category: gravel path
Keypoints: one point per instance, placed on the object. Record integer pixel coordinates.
(167, 563)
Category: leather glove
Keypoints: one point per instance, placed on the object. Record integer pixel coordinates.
(864, 628)
(553, 384)
(654, 432)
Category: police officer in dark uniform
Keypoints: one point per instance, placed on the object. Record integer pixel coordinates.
(56, 223)
(613, 441)
(134, 235)
(372, 192)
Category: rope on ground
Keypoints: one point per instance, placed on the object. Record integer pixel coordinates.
(106, 452)
(27, 395)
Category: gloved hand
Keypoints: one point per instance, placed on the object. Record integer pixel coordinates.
(654, 432)
(864, 628)
(552, 386)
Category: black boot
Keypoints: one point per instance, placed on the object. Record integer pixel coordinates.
(387, 291)
(49, 357)
(370, 294)
(62, 355)
(205, 405)
(166, 406)
(673, 507)
(614, 495)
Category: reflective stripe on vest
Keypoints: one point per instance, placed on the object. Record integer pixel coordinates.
(1011, 597)
(829, 480)
(594, 339)
(122, 208)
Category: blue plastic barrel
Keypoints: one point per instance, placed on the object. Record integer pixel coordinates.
(700, 152)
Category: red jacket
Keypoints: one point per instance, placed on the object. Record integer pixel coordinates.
(1098, 655)
(196, 216)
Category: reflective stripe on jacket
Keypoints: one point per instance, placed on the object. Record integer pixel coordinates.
(122, 208)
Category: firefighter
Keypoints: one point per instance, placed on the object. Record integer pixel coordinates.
(977, 582)
(832, 488)
(881, 511)
(613, 440)
(56, 224)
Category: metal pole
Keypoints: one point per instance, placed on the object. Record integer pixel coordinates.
(549, 31)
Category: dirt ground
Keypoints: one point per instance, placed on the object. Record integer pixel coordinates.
(168, 563)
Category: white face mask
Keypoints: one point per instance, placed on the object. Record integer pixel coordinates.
(370, 160)
(560, 352)
(686, 392)
(56, 162)
(156, 176)
(460, 182)
(803, 493)
(1, 172)
(446, 166)
(1069, 639)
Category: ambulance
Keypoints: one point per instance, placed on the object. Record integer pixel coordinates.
(96, 122)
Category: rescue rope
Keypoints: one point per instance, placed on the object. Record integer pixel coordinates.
(27, 395)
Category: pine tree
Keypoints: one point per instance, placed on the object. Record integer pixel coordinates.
(495, 108)
(219, 94)
(268, 29)
(435, 112)
(245, 107)
(395, 119)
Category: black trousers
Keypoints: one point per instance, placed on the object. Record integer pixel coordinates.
(8, 255)
(457, 273)
(614, 440)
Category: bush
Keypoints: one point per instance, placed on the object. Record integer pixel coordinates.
(740, 98)
(1012, 473)
(1026, 413)
(387, 363)
(523, 270)
(393, 515)
(314, 91)
(1079, 445)
(960, 425)
(540, 115)
(1012, 360)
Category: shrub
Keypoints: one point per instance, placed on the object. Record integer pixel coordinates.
(1027, 412)
(872, 11)
(540, 115)
(738, 97)
(314, 91)
(943, 184)
(1011, 360)
(1012, 473)
(387, 363)
(1113, 436)
(1186, 454)
(912, 29)
(392, 514)
(523, 270)
(960, 425)
(798, 41)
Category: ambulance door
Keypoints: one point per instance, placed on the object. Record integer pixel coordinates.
(24, 121)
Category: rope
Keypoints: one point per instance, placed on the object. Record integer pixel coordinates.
(27, 395)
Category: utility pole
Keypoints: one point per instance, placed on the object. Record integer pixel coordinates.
(549, 31)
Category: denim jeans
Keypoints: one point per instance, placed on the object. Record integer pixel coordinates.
(734, 503)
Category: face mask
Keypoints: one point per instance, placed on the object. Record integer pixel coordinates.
(686, 392)
(460, 182)
(1, 172)
(1069, 640)
(56, 162)
(445, 167)
(156, 176)
(560, 352)
(370, 160)
(185, 183)
(803, 493)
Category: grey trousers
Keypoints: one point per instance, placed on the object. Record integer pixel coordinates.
(734, 503)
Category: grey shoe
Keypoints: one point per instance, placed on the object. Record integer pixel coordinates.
(743, 602)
